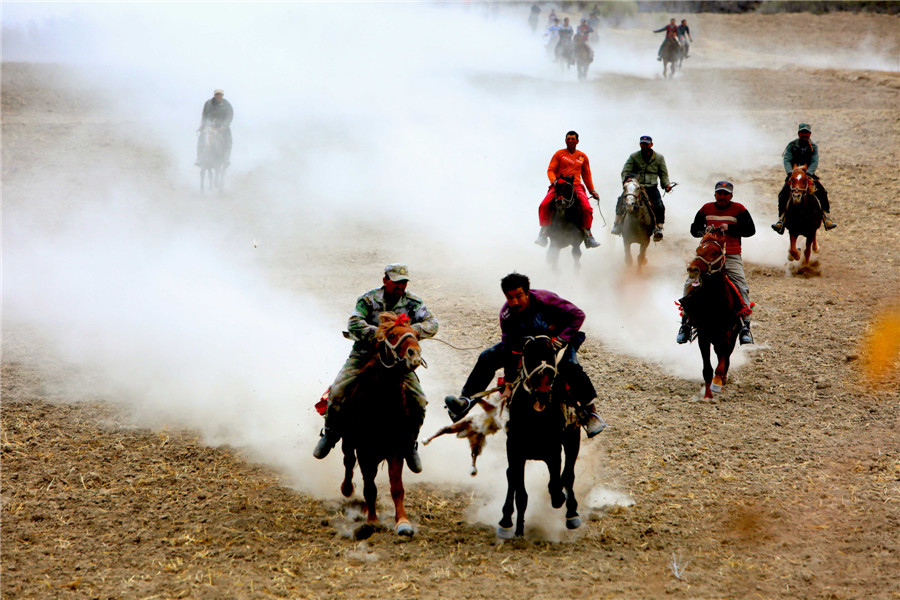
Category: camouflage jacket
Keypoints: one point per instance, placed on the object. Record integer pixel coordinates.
(364, 320)
(648, 172)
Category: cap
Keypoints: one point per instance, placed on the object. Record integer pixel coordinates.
(396, 272)
(725, 186)
(218, 92)
(646, 138)
(804, 127)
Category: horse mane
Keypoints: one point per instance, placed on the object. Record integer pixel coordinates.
(713, 234)
(388, 320)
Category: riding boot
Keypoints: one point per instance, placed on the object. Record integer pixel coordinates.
(590, 420)
(829, 222)
(412, 458)
(778, 226)
(458, 407)
(542, 236)
(327, 440)
(658, 233)
(745, 337)
(589, 240)
(685, 332)
(617, 225)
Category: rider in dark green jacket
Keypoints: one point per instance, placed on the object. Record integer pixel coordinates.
(803, 152)
(649, 167)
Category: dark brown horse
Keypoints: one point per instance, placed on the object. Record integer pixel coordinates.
(803, 215)
(211, 157)
(379, 427)
(540, 427)
(565, 223)
(714, 308)
(671, 56)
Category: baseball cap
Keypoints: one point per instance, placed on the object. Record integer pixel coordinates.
(218, 92)
(804, 127)
(646, 138)
(396, 272)
(725, 186)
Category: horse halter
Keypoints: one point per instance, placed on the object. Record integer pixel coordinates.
(561, 198)
(525, 375)
(720, 259)
(799, 185)
(637, 196)
(394, 358)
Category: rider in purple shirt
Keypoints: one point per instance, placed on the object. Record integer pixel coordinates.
(529, 312)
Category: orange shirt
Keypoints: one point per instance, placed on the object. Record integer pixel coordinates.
(566, 163)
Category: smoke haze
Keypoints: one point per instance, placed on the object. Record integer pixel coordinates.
(364, 134)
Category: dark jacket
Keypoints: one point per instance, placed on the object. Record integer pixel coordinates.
(735, 218)
(801, 154)
(219, 113)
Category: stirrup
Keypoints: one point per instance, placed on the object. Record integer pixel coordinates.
(778, 226)
(658, 234)
(685, 332)
(829, 223)
(458, 407)
(593, 424)
(745, 337)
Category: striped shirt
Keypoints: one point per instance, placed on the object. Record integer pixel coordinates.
(734, 217)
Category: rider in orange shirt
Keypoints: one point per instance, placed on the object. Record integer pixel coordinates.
(574, 163)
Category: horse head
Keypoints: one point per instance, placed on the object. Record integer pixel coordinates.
(565, 192)
(710, 257)
(538, 369)
(800, 184)
(633, 194)
(398, 343)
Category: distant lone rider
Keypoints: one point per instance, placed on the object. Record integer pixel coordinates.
(574, 163)
(802, 152)
(671, 34)
(649, 168)
(684, 35)
(218, 112)
(392, 296)
(529, 312)
(738, 223)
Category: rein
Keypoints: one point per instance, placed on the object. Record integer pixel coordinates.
(525, 375)
(718, 259)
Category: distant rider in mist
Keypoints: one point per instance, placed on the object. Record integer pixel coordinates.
(684, 34)
(671, 33)
(393, 297)
(649, 167)
(529, 312)
(218, 112)
(574, 163)
(802, 152)
(737, 223)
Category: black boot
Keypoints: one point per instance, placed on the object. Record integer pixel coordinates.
(778, 226)
(542, 236)
(412, 458)
(829, 222)
(617, 225)
(327, 440)
(458, 407)
(745, 337)
(658, 233)
(685, 332)
(590, 420)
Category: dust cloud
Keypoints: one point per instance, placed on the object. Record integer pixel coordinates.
(394, 132)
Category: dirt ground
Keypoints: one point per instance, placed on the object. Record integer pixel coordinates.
(785, 486)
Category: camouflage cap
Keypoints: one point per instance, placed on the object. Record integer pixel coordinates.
(218, 92)
(804, 127)
(725, 186)
(396, 272)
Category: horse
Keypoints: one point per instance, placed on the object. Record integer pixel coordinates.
(211, 157)
(714, 307)
(670, 53)
(564, 52)
(378, 423)
(584, 56)
(565, 223)
(638, 222)
(540, 427)
(803, 215)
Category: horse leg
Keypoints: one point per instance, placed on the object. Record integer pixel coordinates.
(808, 250)
(703, 343)
(642, 256)
(395, 474)
(515, 473)
(370, 491)
(576, 255)
(349, 464)
(793, 253)
(555, 486)
(628, 259)
(521, 503)
(571, 446)
(553, 256)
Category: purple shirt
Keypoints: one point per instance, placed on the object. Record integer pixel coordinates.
(547, 314)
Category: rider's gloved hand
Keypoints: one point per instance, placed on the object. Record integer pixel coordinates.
(557, 343)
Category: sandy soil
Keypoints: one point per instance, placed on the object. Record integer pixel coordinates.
(786, 486)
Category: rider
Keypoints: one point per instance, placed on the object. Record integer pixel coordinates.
(584, 30)
(649, 167)
(802, 152)
(737, 223)
(571, 162)
(552, 35)
(529, 312)
(392, 296)
(684, 34)
(671, 34)
(217, 110)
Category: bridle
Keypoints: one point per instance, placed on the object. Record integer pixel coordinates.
(525, 375)
(802, 185)
(636, 197)
(562, 199)
(393, 358)
(720, 259)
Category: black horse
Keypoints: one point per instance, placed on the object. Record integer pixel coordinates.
(565, 223)
(541, 426)
(671, 55)
(379, 425)
(211, 157)
(584, 56)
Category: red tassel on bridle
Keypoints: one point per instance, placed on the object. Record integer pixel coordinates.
(402, 319)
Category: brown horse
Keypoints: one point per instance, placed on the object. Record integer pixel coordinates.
(803, 215)
(379, 427)
(714, 307)
(671, 53)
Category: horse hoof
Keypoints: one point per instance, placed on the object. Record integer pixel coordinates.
(347, 490)
(715, 388)
(557, 500)
(505, 533)
(404, 528)
(793, 255)
(573, 523)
